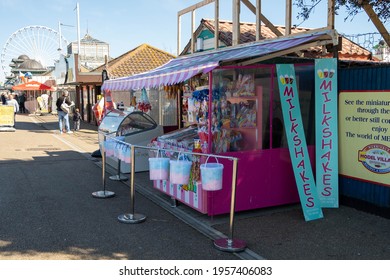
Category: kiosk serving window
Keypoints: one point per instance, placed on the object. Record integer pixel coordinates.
(241, 98)
(247, 113)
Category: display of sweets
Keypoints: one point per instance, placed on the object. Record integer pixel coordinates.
(180, 171)
(243, 86)
(158, 168)
(242, 115)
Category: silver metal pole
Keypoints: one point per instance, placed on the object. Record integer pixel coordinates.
(78, 28)
(59, 37)
(224, 244)
(132, 218)
(229, 244)
(104, 193)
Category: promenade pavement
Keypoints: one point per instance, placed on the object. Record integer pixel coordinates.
(47, 212)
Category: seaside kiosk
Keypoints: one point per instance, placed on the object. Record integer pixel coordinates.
(231, 104)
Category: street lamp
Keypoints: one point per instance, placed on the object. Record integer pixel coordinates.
(60, 34)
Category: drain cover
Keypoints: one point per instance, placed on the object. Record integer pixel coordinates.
(43, 149)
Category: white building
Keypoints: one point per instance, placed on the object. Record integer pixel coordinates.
(92, 51)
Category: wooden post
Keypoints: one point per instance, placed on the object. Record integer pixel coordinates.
(288, 17)
(236, 22)
(331, 14)
(178, 34)
(258, 20)
(265, 20)
(193, 31)
(376, 21)
(185, 11)
(216, 24)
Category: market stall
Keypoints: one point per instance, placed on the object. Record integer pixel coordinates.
(235, 110)
(37, 100)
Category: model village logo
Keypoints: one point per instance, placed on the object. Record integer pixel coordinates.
(376, 158)
(325, 73)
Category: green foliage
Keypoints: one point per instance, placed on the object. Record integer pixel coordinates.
(381, 8)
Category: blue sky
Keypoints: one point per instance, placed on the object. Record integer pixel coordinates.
(125, 24)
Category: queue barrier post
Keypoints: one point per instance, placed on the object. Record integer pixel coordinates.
(104, 193)
(118, 176)
(132, 218)
(231, 244)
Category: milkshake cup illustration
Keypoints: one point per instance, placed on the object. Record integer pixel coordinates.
(320, 74)
(326, 72)
(287, 79)
(331, 73)
(282, 80)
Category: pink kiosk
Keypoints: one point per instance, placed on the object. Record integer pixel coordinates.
(237, 112)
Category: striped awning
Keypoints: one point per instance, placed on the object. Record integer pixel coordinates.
(182, 68)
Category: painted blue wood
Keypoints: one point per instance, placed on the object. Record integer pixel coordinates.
(365, 78)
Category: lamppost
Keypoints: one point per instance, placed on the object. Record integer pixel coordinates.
(60, 35)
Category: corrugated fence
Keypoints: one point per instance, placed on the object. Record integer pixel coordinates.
(365, 78)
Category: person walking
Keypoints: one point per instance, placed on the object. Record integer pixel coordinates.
(62, 114)
(76, 119)
(11, 101)
(22, 100)
(4, 98)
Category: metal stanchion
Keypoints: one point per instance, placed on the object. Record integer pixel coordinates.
(104, 193)
(230, 244)
(118, 176)
(132, 218)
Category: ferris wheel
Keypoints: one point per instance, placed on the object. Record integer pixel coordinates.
(40, 43)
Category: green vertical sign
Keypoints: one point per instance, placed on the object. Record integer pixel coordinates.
(297, 142)
(327, 174)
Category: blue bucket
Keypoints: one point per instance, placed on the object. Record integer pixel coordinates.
(211, 174)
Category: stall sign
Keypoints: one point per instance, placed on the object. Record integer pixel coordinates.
(297, 142)
(6, 115)
(364, 135)
(327, 174)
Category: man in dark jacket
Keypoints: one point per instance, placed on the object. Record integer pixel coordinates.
(62, 115)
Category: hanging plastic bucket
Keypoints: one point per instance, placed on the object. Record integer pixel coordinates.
(211, 174)
(180, 171)
(158, 168)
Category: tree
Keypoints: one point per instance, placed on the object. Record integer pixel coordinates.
(381, 7)
(377, 10)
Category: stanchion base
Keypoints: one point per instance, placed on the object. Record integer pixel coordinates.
(103, 194)
(118, 178)
(131, 218)
(230, 245)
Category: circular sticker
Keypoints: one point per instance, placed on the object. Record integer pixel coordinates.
(376, 158)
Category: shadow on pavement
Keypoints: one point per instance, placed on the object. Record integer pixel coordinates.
(47, 212)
